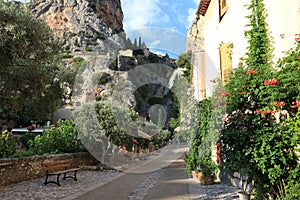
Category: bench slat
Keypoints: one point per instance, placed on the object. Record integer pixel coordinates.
(60, 166)
(63, 171)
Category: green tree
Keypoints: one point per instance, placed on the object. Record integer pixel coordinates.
(29, 84)
(184, 62)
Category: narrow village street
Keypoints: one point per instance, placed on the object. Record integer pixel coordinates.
(136, 183)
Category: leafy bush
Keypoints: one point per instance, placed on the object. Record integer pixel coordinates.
(7, 145)
(25, 139)
(61, 139)
(261, 129)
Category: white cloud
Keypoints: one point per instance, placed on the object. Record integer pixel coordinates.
(196, 2)
(140, 14)
(191, 16)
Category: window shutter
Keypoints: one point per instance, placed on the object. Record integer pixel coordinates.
(223, 7)
(226, 61)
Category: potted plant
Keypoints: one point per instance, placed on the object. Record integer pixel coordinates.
(244, 194)
(191, 163)
(209, 170)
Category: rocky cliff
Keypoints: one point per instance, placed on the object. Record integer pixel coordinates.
(83, 25)
(92, 32)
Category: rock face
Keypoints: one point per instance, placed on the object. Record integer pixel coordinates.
(83, 25)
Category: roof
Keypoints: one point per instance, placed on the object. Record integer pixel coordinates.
(203, 6)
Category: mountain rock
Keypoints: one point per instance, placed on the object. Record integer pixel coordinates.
(83, 25)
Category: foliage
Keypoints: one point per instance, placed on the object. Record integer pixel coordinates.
(184, 62)
(261, 128)
(61, 139)
(25, 138)
(29, 65)
(197, 143)
(208, 167)
(159, 140)
(7, 145)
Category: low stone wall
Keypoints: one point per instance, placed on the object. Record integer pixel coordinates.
(14, 170)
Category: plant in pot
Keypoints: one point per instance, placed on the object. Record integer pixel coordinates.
(191, 163)
(244, 194)
(209, 170)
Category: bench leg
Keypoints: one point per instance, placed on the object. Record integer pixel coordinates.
(73, 177)
(46, 180)
(57, 180)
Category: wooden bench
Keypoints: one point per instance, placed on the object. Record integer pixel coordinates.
(56, 168)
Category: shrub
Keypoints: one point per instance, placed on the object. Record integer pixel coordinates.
(61, 139)
(26, 138)
(7, 145)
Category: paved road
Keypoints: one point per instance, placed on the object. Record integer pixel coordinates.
(161, 177)
(173, 184)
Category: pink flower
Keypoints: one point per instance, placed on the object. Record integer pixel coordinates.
(264, 112)
(213, 81)
(258, 111)
(251, 72)
(296, 104)
(276, 103)
(225, 94)
(272, 82)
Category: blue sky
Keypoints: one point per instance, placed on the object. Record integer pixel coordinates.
(161, 23)
(171, 14)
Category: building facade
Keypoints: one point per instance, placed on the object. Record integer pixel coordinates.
(217, 41)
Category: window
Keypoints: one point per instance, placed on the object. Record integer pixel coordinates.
(225, 60)
(222, 8)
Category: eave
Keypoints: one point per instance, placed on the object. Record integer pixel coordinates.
(203, 6)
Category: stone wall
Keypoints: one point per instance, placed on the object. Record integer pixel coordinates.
(14, 170)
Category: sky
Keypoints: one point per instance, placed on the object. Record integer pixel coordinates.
(162, 24)
(176, 15)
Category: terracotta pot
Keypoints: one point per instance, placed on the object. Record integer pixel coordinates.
(200, 177)
(208, 180)
(194, 174)
(244, 196)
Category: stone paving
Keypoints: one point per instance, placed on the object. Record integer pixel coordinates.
(35, 190)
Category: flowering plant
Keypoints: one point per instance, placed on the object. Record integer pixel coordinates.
(261, 128)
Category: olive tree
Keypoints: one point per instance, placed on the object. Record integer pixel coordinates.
(29, 80)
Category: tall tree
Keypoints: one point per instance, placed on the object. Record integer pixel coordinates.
(184, 62)
(29, 82)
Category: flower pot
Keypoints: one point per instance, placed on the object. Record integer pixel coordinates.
(200, 177)
(244, 196)
(194, 174)
(208, 180)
